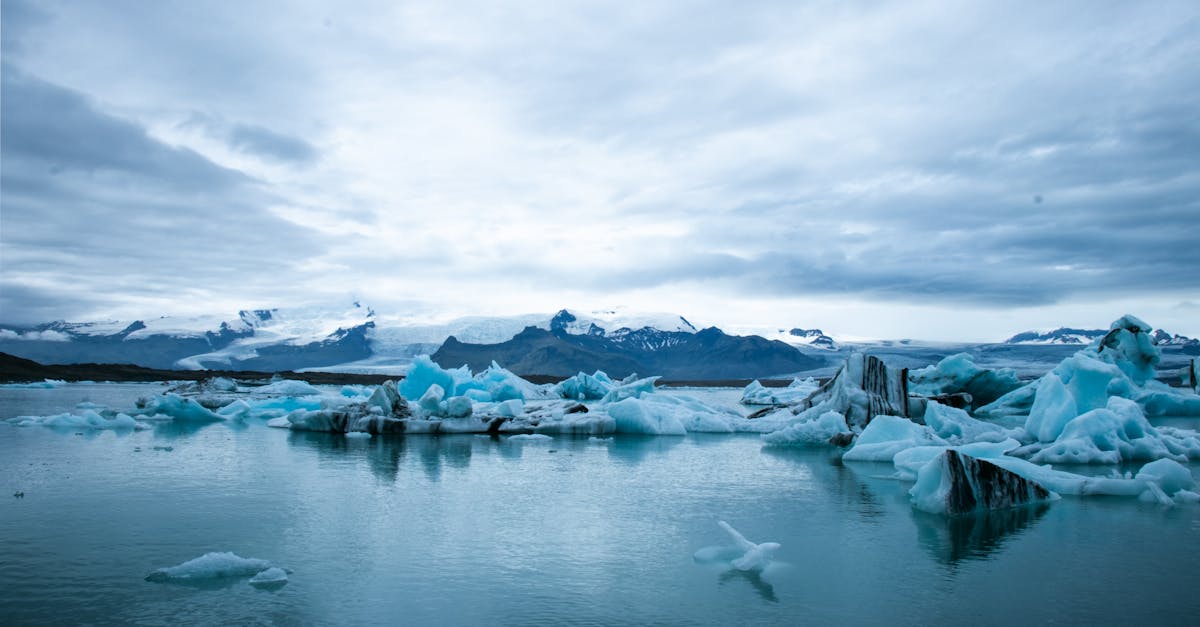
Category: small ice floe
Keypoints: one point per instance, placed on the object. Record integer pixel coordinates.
(530, 438)
(743, 560)
(744, 555)
(270, 578)
(212, 566)
(756, 556)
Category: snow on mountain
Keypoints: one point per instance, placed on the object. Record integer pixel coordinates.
(1062, 335)
(807, 338)
(1066, 335)
(616, 320)
(288, 327)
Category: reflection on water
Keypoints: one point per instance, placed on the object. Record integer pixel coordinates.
(951, 539)
(861, 491)
(762, 587)
(474, 530)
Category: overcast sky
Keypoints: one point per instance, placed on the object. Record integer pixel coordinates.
(937, 170)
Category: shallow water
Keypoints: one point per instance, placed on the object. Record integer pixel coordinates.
(474, 530)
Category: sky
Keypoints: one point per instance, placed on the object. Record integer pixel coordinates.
(934, 170)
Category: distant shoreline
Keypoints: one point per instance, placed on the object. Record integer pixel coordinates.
(18, 370)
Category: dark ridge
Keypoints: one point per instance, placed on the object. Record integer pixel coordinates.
(18, 370)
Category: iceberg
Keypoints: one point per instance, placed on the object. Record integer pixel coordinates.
(958, 375)
(821, 430)
(757, 394)
(954, 483)
(37, 385)
(210, 566)
(888, 435)
(584, 386)
(270, 578)
(179, 408)
(286, 387)
(956, 426)
(1119, 364)
(86, 419)
(755, 556)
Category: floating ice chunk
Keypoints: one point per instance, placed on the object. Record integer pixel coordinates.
(887, 435)
(286, 387)
(660, 414)
(388, 399)
(457, 407)
(634, 416)
(757, 394)
(1053, 407)
(530, 438)
(584, 386)
(273, 576)
(44, 384)
(1114, 434)
(358, 435)
(910, 461)
(1168, 475)
(510, 408)
(959, 374)
(1186, 496)
(237, 410)
(957, 426)
(422, 374)
(431, 399)
(810, 432)
(1137, 355)
(953, 483)
(181, 409)
(210, 566)
(87, 419)
(633, 389)
(755, 557)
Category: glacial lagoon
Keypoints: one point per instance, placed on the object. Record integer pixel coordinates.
(472, 529)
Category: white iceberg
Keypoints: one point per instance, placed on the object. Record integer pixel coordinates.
(85, 419)
(757, 394)
(755, 556)
(210, 566)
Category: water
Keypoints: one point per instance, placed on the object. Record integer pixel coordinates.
(473, 530)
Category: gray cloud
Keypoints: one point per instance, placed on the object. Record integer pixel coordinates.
(96, 213)
(889, 153)
(267, 143)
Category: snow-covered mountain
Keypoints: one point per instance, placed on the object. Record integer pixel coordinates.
(1066, 335)
(809, 337)
(266, 339)
(1062, 335)
(354, 338)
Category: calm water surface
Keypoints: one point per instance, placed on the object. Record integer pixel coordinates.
(473, 530)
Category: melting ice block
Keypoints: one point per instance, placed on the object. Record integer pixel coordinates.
(755, 557)
(210, 566)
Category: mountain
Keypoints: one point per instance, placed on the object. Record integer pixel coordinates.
(267, 339)
(706, 354)
(1062, 335)
(1065, 335)
(811, 337)
(350, 339)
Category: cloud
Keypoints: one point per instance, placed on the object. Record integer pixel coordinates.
(98, 213)
(920, 153)
(261, 141)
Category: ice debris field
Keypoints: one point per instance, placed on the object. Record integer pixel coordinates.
(967, 438)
